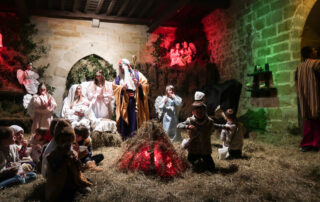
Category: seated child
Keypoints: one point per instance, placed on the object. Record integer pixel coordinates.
(37, 143)
(20, 141)
(85, 155)
(48, 148)
(64, 176)
(12, 172)
(232, 139)
(200, 128)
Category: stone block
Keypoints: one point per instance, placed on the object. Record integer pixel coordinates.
(269, 32)
(279, 4)
(290, 113)
(281, 57)
(280, 47)
(262, 11)
(286, 89)
(274, 113)
(284, 26)
(274, 17)
(264, 52)
(283, 77)
(289, 11)
(259, 24)
(67, 33)
(259, 43)
(278, 38)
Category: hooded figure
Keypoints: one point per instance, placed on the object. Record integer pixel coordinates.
(130, 90)
(76, 108)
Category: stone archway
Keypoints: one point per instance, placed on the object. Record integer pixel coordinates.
(69, 58)
(311, 30)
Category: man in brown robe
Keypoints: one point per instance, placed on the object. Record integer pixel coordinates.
(308, 86)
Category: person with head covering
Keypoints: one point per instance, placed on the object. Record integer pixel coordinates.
(167, 109)
(28, 78)
(200, 96)
(100, 95)
(19, 140)
(41, 108)
(308, 87)
(200, 128)
(76, 108)
(130, 90)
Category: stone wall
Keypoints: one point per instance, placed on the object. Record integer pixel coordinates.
(254, 33)
(71, 40)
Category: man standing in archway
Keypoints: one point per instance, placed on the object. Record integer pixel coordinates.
(307, 81)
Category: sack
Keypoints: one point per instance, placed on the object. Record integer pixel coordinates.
(185, 143)
(223, 153)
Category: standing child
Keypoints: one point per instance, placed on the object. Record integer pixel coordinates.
(232, 139)
(167, 109)
(200, 128)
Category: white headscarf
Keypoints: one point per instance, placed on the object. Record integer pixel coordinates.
(67, 102)
(198, 96)
(16, 129)
(127, 77)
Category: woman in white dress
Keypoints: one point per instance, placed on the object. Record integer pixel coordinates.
(100, 94)
(41, 108)
(167, 109)
(76, 108)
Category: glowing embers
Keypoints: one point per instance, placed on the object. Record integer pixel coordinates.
(151, 152)
(182, 56)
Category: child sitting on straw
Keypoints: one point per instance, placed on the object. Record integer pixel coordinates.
(84, 148)
(64, 176)
(12, 171)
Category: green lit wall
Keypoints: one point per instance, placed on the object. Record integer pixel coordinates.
(254, 33)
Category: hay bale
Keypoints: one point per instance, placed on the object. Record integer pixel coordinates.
(100, 139)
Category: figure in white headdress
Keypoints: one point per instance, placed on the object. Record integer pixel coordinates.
(167, 108)
(131, 89)
(76, 108)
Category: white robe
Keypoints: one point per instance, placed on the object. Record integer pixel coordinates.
(40, 110)
(69, 113)
(169, 111)
(102, 106)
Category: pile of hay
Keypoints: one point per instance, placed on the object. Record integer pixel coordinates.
(101, 139)
(151, 152)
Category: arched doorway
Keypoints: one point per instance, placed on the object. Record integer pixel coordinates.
(85, 69)
(311, 31)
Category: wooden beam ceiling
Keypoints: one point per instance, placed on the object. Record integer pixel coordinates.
(89, 16)
(99, 6)
(134, 8)
(170, 12)
(76, 5)
(146, 8)
(110, 7)
(123, 7)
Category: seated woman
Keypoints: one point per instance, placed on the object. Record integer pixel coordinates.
(100, 94)
(76, 108)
